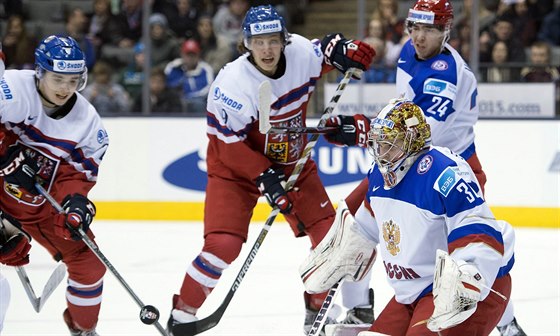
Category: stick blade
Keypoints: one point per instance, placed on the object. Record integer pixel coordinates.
(54, 280)
(265, 97)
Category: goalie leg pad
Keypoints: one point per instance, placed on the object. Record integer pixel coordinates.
(344, 253)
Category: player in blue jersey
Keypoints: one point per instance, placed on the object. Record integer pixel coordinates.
(435, 77)
(446, 257)
(244, 164)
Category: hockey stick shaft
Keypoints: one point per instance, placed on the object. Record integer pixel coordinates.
(93, 247)
(301, 130)
(196, 327)
(22, 274)
(323, 312)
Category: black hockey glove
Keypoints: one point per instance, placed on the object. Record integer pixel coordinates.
(78, 214)
(14, 242)
(20, 167)
(271, 185)
(352, 130)
(344, 54)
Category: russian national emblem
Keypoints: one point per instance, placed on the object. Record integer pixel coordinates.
(392, 237)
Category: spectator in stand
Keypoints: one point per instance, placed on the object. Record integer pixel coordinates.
(18, 45)
(379, 71)
(386, 11)
(103, 93)
(227, 22)
(499, 72)
(76, 26)
(190, 76)
(104, 28)
(502, 30)
(12, 7)
(461, 38)
(543, 71)
(393, 50)
(162, 98)
(215, 49)
(132, 76)
(550, 28)
(130, 21)
(524, 18)
(182, 20)
(164, 44)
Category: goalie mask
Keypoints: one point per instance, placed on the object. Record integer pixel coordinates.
(433, 13)
(398, 134)
(263, 20)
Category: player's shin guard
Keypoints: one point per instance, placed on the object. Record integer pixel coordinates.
(202, 277)
(84, 303)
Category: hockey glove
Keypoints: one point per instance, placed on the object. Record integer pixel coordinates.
(344, 54)
(271, 185)
(352, 130)
(14, 242)
(456, 290)
(21, 167)
(78, 214)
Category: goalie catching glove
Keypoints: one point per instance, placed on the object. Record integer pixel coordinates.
(14, 242)
(78, 214)
(344, 54)
(271, 185)
(344, 253)
(351, 130)
(456, 292)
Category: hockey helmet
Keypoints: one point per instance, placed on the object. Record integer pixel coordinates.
(262, 20)
(398, 132)
(61, 55)
(433, 12)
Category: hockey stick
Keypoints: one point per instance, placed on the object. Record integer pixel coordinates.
(196, 327)
(301, 130)
(148, 314)
(54, 280)
(322, 314)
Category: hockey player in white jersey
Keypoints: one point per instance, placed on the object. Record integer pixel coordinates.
(244, 164)
(445, 255)
(435, 77)
(50, 134)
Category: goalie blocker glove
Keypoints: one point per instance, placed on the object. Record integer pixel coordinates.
(271, 185)
(344, 54)
(14, 242)
(78, 214)
(351, 130)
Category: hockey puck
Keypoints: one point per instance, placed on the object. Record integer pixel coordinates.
(149, 314)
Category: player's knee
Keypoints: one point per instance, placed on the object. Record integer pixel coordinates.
(225, 246)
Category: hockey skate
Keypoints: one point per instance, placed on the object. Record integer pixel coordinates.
(76, 332)
(511, 329)
(311, 315)
(178, 316)
(357, 319)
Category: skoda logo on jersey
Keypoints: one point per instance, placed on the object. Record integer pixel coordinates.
(266, 27)
(69, 66)
(440, 65)
(218, 95)
(337, 165)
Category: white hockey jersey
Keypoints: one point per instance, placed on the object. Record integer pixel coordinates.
(437, 205)
(233, 111)
(74, 144)
(446, 89)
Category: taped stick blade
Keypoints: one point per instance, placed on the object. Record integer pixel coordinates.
(265, 97)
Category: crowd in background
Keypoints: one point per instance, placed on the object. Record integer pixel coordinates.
(191, 40)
